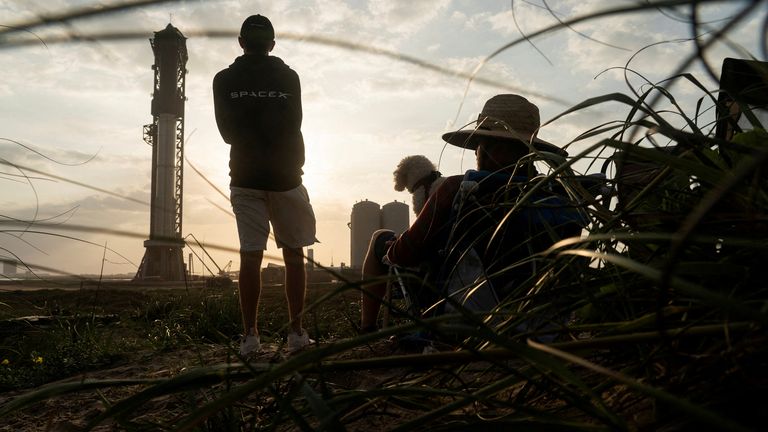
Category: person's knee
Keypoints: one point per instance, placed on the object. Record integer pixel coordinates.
(372, 264)
(377, 247)
(293, 256)
(251, 259)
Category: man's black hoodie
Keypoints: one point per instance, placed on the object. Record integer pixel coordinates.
(258, 111)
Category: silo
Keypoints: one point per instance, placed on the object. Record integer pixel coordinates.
(9, 268)
(310, 259)
(394, 216)
(365, 220)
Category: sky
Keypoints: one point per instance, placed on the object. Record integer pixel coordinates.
(71, 114)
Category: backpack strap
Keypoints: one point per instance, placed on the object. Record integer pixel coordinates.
(463, 273)
(484, 201)
(477, 184)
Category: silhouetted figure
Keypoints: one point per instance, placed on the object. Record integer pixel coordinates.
(258, 112)
(458, 242)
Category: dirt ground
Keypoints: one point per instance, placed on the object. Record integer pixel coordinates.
(73, 411)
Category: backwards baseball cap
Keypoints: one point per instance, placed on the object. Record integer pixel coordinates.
(257, 28)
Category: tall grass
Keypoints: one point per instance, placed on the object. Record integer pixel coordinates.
(654, 319)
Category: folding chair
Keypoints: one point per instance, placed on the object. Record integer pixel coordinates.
(395, 283)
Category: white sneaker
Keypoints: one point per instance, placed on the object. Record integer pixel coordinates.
(298, 341)
(250, 345)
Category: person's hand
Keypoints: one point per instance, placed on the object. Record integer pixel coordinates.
(388, 244)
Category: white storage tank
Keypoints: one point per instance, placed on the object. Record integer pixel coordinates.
(9, 268)
(365, 220)
(394, 216)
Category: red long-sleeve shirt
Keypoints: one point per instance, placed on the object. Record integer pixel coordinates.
(427, 235)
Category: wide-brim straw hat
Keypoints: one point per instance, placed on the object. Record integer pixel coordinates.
(509, 117)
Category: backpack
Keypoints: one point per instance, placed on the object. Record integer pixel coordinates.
(495, 236)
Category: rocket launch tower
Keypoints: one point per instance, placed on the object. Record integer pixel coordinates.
(163, 258)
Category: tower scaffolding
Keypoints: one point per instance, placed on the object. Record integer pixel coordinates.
(163, 256)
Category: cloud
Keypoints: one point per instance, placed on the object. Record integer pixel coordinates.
(401, 82)
(363, 113)
(41, 157)
(98, 203)
(529, 17)
(405, 16)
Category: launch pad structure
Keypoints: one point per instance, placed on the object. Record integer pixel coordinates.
(163, 256)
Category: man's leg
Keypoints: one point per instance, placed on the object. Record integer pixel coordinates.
(373, 293)
(295, 285)
(249, 289)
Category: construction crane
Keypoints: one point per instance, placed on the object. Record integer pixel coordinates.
(221, 279)
(225, 271)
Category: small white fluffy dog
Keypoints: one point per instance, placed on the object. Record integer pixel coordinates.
(420, 177)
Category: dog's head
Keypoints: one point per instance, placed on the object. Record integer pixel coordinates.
(410, 170)
(420, 176)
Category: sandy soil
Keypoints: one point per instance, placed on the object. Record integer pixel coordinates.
(73, 411)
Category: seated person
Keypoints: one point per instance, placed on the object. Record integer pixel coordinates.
(506, 127)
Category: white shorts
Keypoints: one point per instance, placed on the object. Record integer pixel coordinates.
(289, 212)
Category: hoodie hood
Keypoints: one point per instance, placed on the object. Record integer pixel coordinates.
(257, 62)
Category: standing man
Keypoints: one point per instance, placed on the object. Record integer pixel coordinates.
(258, 111)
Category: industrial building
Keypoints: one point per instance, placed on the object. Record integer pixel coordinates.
(367, 217)
(9, 268)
